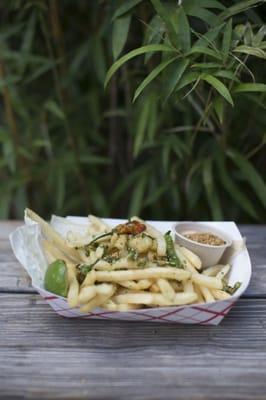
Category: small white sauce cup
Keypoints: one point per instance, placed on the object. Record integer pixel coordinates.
(209, 254)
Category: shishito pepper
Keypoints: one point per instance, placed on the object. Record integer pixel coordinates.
(173, 259)
(55, 279)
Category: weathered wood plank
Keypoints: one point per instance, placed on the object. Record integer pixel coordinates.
(6, 227)
(46, 356)
(13, 276)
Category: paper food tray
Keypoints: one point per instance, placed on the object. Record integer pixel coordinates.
(25, 242)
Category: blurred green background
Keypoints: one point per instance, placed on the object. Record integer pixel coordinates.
(180, 151)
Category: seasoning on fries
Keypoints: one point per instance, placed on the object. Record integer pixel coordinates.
(127, 267)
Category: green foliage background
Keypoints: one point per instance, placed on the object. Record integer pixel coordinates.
(179, 151)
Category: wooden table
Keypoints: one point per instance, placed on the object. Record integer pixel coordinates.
(45, 356)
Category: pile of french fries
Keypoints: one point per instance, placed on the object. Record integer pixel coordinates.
(128, 267)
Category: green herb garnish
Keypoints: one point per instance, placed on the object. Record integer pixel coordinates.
(231, 289)
(172, 257)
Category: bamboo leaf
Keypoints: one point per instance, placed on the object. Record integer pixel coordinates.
(130, 179)
(211, 191)
(27, 42)
(152, 75)
(248, 35)
(227, 39)
(257, 52)
(250, 87)
(153, 117)
(120, 33)
(219, 86)
(207, 65)
(262, 45)
(125, 7)
(54, 109)
(238, 8)
(10, 31)
(155, 195)
(137, 196)
(132, 54)
(250, 174)
(37, 72)
(204, 50)
(154, 34)
(219, 108)
(163, 13)
(99, 58)
(193, 5)
(209, 37)
(227, 75)
(187, 78)
(9, 80)
(229, 185)
(183, 30)
(258, 38)
(141, 125)
(175, 73)
(154, 31)
(205, 15)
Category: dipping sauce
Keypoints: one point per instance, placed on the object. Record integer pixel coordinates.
(204, 238)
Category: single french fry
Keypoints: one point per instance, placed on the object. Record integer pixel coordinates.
(185, 298)
(184, 260)
(98, 300)
(142, 298)
(198, 291)
(99, 224)
(143, 284)
(191, 257)
(207, 281)
(166, 289)
(208, 297)
(90, 279)
(220, 294)
(213, 271)
(53, 253)
(53, 236)
(188, 287)
(139, 285)
(112, 306)
(104, 288)
(86, 294)
(155, 299)
(223, 272)
(154, 288)
(50, 259)
(73, 290)
(148, 273)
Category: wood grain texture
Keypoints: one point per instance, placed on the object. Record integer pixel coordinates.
(46, 356)
(14, 278)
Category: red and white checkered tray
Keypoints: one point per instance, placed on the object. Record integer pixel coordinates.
(26, 245)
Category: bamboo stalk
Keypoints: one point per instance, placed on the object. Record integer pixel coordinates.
(9, 112)
(62, 93)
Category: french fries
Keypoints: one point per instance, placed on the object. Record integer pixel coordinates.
(123, 270)
(148, 273)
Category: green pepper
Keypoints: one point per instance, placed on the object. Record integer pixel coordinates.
(172, 257)
(55, 279)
